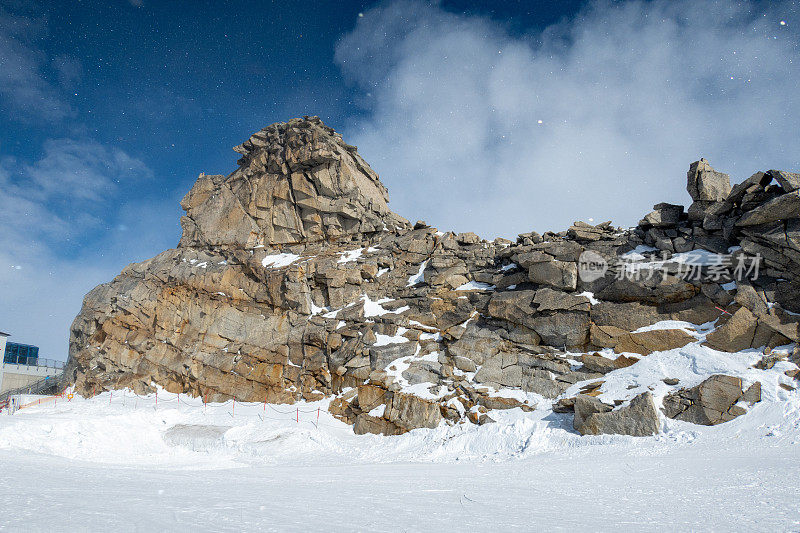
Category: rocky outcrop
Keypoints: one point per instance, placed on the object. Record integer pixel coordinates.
(296, 182)
(639, 418)
(294, 280)
(714, 401)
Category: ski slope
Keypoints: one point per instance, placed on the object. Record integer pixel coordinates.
(127, 463)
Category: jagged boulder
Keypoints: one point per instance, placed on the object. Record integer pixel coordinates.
(736, 334)
(783, 207)
(789, 181)
(712, 402)
(663, 216)
(410, 412)
(639, 418)
(603, 365)
(706, 184)
(656, 340)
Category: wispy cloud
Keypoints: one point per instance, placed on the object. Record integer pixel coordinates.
(598, 117)
(26, 91)
(64, 193)
(68, 220)
(49, 209)
(82, 170)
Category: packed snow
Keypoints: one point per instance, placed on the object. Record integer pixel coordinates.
(350, 255)
(120, 461)
(375, 307)
(419, 277)
(475, 286)
(279, 260)
(383, 340)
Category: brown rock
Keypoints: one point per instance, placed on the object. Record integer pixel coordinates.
(638, 419)
(410, 412)
(706, 184)
(605, 336)
(365, 423)
(711, 402)
(293, 279)
(557, 274)
(498, 402)
(736, 334)
(656, 340)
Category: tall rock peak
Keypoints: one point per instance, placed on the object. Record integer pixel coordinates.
(297, 182)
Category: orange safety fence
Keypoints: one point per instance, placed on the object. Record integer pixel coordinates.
(155, 400)
(39, 401)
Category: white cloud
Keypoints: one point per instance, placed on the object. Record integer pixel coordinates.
(628, 94)
(68, 220)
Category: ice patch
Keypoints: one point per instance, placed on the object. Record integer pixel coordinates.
(590, 297)
(698, 257)
(317, 310)
(637, 254)
(384, 340)
(378, 411)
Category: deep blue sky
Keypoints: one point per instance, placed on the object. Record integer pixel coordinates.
(176, 84)
(494, 117)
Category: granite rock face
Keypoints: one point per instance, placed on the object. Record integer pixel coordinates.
(297, 182)
(294, 280)
(712, 402)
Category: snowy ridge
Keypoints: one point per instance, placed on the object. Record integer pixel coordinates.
(121, 427)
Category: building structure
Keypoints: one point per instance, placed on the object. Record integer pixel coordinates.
(22, 366)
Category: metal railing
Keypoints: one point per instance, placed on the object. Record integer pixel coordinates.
(33, 361)
(47, 384)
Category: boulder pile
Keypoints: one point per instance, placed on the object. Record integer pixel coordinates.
(293, 280)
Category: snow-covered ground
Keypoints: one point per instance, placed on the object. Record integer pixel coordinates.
(121, 462)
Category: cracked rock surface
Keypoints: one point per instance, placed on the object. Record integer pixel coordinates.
(294, 280)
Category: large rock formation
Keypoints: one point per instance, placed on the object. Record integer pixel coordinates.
(293, 280)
